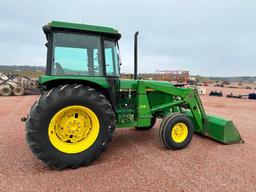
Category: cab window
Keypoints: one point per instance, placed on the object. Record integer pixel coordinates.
(111, 58)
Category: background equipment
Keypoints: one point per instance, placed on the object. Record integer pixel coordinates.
(15, 84)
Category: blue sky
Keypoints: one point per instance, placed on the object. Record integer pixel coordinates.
(214, 38)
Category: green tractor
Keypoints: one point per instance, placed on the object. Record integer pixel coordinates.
(84, 100)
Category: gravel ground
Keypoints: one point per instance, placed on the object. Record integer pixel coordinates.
(136, 160)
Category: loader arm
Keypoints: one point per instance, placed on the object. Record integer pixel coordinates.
(187, 101)
(186, 98)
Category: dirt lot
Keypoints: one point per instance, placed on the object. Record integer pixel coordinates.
(136, 160)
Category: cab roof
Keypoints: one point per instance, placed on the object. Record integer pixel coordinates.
(86, 28)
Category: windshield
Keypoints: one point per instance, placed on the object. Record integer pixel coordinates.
(75, 54)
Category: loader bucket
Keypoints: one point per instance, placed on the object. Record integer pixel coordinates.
(219, 129)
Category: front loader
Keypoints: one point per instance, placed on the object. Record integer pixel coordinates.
(84, 100)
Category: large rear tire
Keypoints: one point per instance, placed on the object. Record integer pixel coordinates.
(69, 126)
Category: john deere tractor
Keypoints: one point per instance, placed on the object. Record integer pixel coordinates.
(84, 100)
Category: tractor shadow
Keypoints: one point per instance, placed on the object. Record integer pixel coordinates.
(129, 142)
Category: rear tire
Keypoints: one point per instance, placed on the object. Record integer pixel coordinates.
(45, 110)
(176, 131)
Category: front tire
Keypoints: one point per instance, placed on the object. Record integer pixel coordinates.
(69, 126)
(176, 131)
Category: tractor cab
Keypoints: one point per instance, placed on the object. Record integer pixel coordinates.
(81, 50)
(85, 54)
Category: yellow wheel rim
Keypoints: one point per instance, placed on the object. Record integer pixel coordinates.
(179, 132)
(73, 129)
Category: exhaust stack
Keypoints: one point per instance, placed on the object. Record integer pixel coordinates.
(135, 76)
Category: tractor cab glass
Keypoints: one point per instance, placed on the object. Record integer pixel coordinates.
(111, 58)
(81, 55)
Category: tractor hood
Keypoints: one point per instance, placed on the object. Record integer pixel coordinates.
(131, 83)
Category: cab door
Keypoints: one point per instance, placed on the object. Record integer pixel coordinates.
(112, 69)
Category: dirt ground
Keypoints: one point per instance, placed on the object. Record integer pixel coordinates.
(136, 160)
